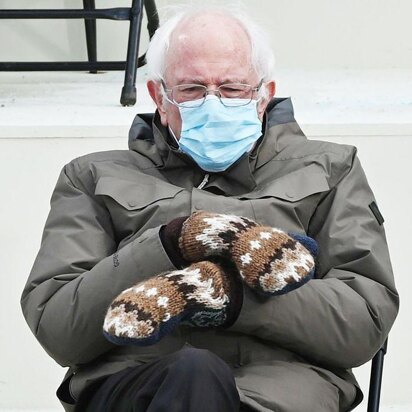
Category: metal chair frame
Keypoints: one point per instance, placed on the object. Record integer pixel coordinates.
(89, 13)
(375, 383)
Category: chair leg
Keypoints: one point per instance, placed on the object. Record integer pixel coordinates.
(375, 383)
(90, 25)
(128, 97)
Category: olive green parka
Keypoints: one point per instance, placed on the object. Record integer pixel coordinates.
(288, 353)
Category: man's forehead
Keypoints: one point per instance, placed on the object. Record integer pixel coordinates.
(214, 21)
(202, 70)
(209, 55)
(209, 32)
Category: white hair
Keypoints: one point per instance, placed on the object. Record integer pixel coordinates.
(263, 60)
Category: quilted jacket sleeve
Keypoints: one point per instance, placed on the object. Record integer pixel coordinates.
(79, 271)
(343, 317)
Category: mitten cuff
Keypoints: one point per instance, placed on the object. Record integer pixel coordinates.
(169, 236)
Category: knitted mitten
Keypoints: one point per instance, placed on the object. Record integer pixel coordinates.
(269, 260)
(199, 295)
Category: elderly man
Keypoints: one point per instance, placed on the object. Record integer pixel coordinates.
(224, 262)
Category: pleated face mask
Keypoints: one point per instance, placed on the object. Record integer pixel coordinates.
(215, 135)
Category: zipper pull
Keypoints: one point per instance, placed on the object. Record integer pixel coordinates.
(204, 181)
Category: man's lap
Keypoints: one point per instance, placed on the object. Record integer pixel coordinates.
(263, 386)
(187, 380)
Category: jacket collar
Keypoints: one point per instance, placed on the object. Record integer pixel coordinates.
(150, 138)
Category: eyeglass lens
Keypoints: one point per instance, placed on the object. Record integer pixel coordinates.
(190, 92)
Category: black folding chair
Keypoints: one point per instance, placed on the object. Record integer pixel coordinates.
(89, 13)
(375, 383)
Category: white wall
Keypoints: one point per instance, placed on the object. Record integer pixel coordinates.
(305, 34)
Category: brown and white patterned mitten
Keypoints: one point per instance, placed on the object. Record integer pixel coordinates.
(269, 260)
(202, 295)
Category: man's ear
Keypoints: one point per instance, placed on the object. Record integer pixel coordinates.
(271, 86)
(271, 90)
(157, 96)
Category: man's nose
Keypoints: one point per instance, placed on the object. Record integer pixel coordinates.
(214, 91)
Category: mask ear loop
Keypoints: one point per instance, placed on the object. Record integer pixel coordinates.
(262, 95)
(174, 136)
(166, 98)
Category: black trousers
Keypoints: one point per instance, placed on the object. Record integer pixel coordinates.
(189, 380)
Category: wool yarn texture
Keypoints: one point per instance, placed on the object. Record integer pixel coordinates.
(198, 296)
(269, 260)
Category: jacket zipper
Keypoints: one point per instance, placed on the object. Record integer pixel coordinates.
(204, 181)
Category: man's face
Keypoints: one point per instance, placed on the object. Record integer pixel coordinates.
(210, 52)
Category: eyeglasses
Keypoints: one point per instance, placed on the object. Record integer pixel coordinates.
(194, 95)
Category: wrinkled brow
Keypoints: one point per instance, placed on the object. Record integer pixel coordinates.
(205, 82)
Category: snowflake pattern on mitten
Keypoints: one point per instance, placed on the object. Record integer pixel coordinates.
(143, 314)
(269, 260)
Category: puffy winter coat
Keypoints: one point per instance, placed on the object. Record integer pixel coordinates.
(102, 236)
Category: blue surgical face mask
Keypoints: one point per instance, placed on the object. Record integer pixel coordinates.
(215, 136)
